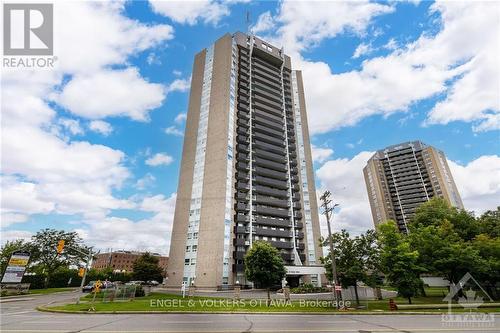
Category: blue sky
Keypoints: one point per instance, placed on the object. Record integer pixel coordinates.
(100, 152)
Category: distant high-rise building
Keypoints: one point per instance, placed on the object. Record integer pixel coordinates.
(401, 177)
(246, 171)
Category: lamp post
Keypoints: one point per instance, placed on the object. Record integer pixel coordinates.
(237, 290)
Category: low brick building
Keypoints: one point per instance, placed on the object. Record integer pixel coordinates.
(124, 260)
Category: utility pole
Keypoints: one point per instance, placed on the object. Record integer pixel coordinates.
(328, 211)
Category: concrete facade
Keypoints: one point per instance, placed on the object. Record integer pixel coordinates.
(246, 170)
(401, 177)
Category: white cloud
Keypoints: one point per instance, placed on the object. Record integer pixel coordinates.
(145, 182)
(478, 182)
(159, 159)
(151, 234)
(111, 93)
(304, 25)
(264, 23)
(100, 126)
(190, 12)
(176, 72)
(391, 44)
(92, 34)
(344, 178)
(180, 118)
(361, 50)
(431, 65)
(72, 125)
(153, 59)
(320, 154)
(10, 235)
(181, 85)
(43, 171)
(172, 130)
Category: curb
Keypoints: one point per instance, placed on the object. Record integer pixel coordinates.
(44, 309)
(13, 299)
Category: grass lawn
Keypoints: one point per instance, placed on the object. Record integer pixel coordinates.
(40, 291)
(159, 302)
(49, 290)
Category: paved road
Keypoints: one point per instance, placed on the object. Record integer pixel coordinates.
(20, 317)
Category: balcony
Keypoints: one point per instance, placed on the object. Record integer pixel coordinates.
(272, 211)
(271, 201)
(282, 245)
(241, 207)
(241, 230)
(242, 166)
(269, 221)
(270, 156)
(241, 218)
(238, 255)
(281, 175)
(270, 164)
(242, 186)
(273, 233)
(271, 182)
(270, 191)
(240, 242)
(238, 267)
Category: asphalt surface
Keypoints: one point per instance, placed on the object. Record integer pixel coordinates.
(20, 316)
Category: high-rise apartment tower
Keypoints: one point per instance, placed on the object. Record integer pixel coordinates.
(401, 177)
(246, 171)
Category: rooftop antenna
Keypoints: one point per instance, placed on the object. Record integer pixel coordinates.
(247, 20)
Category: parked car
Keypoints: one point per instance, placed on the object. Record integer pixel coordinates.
(104, 285)
(139, 283)
(152, 282)
(89, 287)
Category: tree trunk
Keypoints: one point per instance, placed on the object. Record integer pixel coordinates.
(356, 293)
(268, 297)
(409, 300)
(422, 290)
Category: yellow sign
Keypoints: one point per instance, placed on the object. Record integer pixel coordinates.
(97, 286)
(18, 261)
(81, 272)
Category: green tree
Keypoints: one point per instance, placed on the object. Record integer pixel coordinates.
(45, 257)
(356, 258)
(488, 248)
(398, 261)
(443, 252)
(6, 251)
(147, 268)
(489, 223)
(437, 211)
(264, 266)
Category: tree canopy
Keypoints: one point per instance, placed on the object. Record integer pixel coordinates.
(357, 259)
(147, 268)
(264, 265)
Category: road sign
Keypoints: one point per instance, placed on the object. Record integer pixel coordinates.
(338, 288)
(16, 267)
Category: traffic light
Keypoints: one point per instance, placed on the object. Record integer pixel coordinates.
(60, 246)
(81, 272)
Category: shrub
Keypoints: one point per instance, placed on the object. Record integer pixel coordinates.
(139, 292)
